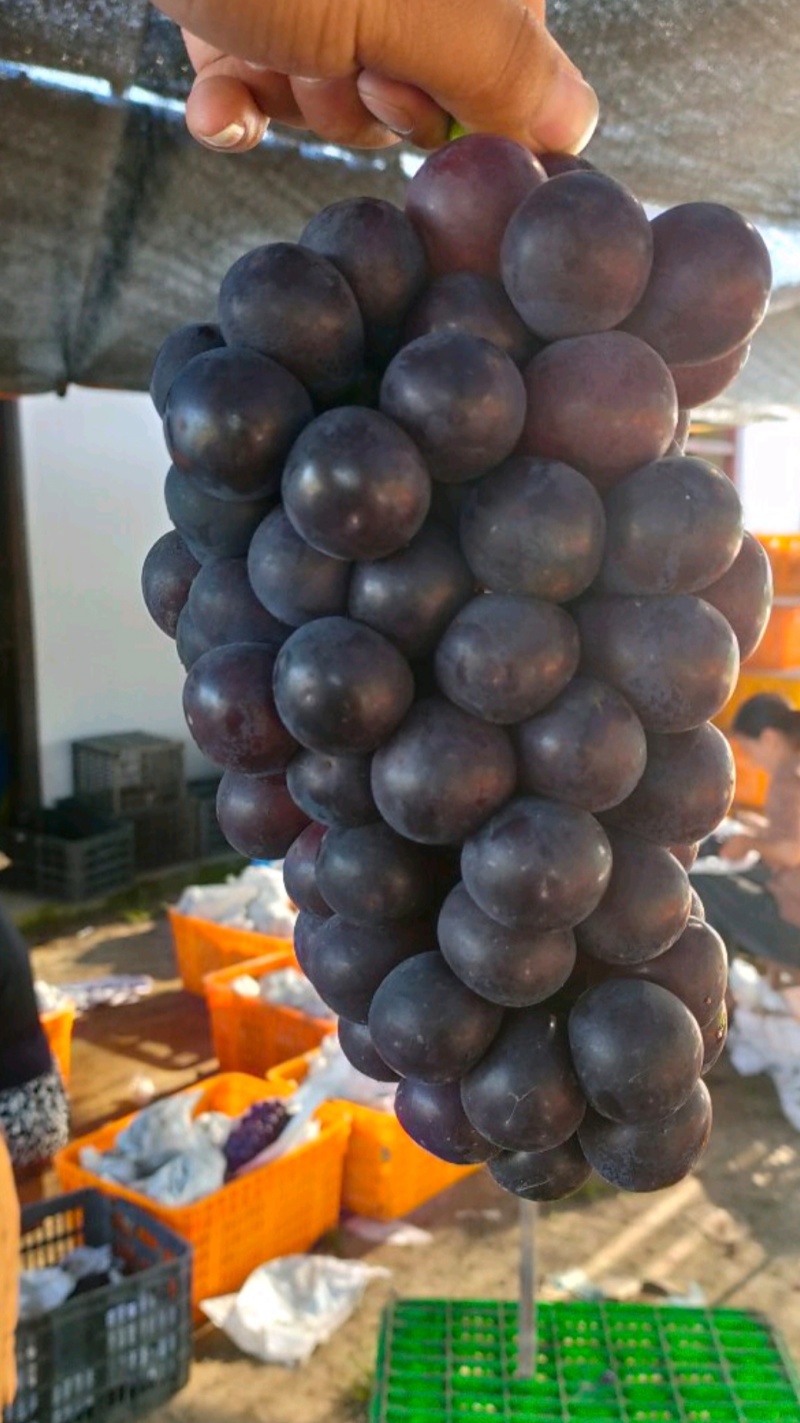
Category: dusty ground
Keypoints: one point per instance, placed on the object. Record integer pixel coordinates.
(733, 1229)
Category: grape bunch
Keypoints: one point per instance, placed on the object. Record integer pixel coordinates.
(255, 1130)
(456, 611)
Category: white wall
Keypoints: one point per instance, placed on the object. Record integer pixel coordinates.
(94, 472)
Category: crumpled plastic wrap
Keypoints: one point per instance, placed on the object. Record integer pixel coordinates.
(287, 987)
(255, 899)
(764, 1036)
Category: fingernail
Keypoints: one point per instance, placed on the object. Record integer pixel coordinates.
(568, 114)
(227, 137)
(396, 119)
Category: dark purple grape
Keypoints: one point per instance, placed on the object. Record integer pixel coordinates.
(412, 595)
(475, 305)
(744, 595)
(587, 748)
(674, 658)
(370, 875)
(685, 853)
(257, 1129)
(535, 527)
(604, 403)
(359, 1049)
(293, 305)
(536, 864)
(442, 773)
(523, 1094)
(513, 967)
(355, 485)
(179, 348)
(340, 687)
(377, 250)
(709, 285)
(460, 399)
(434, 1118)
(348, 962)
(231, 419)
(576, 255)
(645, 908)
(672, 527)
(332, 789)
(542, 1175)
(648, 1156)
(306, 927)
(257, 815)
(190, 643)
(294, 581)
(714, 1038)
(167, 575)
(211, 527)
(299, 872)
(637, 1050)
(224, 608)
(462, 197)
(427, 1024)
(230, 711)
(695, 969)
(686, 789)
(698, 908)
(505, 657)
(697, 384)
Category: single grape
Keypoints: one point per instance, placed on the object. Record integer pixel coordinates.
(427, 1024)
(685, 853)
(714, 1038)
(587, 748)
(645, 908)
(695, 969)
(504, 657)
(355, 485)
(224, 608)
(211, 527)
(190, 643)
(672, 527)
(294, 581)
(576, 255)
(475, 305)
(412, 595)
(542, 1175)
(332, 789)
(674, 658)
(299, 872)
(513, 967)
(461, 200)
(340, 687)
(709, 284)
(698, 908)
(167, 576)
(306, 927)
(648, 1156)
(434, 1118)
(257, 815)
(230, 711)
(370, 875)
(686, 790)
(637, 1050)
(175, 352)
(536, 864)
(442, 774)
(295, 306)
(347, 963)
(359, 1049)
(378, 252)
(604, 403)
(523, 1094)
(697, 384)
(744, 595)
(230, 420)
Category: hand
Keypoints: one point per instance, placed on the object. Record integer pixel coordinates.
(737, 846)
(368, 72)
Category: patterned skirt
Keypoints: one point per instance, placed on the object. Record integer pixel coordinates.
(34, 1119)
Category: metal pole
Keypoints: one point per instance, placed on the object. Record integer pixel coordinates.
(527, 1338)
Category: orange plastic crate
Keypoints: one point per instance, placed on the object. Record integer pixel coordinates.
(250, 1035)
(202, 947)
(751, 682)
(783, 551)
(58, 1026)
(386, 1174)
(779, 648)
(279, 1209)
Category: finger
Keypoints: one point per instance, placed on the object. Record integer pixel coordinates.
(333, 109)
(222, 113)
(404, 109)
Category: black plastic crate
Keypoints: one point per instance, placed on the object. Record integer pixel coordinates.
(128, 771)
(115, 1352)
(162, 835)
(70, 852)
(209, 841)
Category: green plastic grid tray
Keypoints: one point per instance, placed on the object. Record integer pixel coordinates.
(448, 1361)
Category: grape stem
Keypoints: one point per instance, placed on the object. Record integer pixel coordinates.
(527, 1319)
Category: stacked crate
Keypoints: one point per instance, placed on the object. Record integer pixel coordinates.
(135, 777)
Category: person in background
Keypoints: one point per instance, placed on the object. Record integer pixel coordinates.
(759, 910)
(9, 1276)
